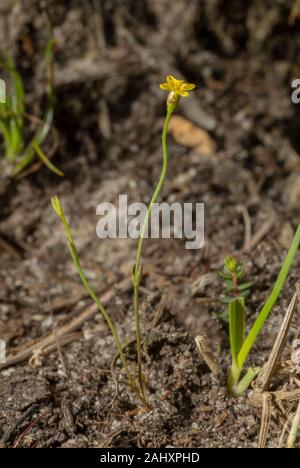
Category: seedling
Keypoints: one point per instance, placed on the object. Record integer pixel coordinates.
(232, 275)
(241, 346)
(13, 116)
(57, 206)
(176, 88)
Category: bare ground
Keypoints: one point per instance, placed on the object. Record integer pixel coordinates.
(109, 115)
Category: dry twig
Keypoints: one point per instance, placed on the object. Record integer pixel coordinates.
(269, 369)
(294, 429)
(265, 419)
(207, 355)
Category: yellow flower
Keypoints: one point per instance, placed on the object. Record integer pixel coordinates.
(177, 86)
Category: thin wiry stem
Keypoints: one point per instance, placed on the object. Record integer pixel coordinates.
(58, 209)
(136, 273)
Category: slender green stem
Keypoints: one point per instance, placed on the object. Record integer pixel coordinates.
(138, 341)
(99, 304)
(136, 273)
(59, 210)
(157, 190)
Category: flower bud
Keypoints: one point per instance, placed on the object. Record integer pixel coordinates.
(57, 206)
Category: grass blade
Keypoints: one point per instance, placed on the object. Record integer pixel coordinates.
(17, 109)
(42, 133)
(47, 161)
(259, 323)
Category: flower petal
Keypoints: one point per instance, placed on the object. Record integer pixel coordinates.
(165, 86)
(187, 86)
(173, 82)
(177, 86)
(182, 93)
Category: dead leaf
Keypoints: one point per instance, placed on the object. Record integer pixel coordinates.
(186, 133)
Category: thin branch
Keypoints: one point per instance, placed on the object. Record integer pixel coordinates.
(276, 353)
(265, 419)
(294, 429)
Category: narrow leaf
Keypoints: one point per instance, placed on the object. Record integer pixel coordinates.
(281, 279)
(244, 286)
(237, 317)
(42, 133)
(47, 161)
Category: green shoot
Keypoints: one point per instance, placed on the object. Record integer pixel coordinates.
(240, 347)
(13, 114)
(42, 133)
(57, 206)
(232, 275)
